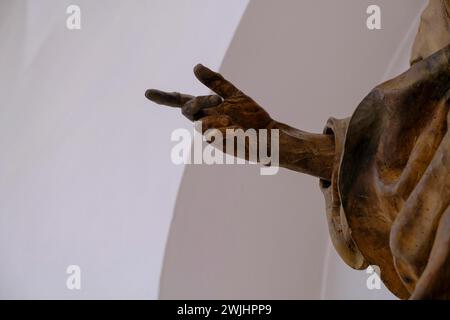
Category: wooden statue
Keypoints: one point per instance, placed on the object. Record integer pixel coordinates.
(385, 171)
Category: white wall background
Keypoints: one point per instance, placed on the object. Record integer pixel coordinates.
(85, 170)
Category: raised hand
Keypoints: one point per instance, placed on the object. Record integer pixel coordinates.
(229, 109)
(232, 109)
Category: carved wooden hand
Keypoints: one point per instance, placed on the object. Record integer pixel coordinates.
(229, 109)
(232, 109)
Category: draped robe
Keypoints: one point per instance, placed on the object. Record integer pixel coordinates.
(388, 202)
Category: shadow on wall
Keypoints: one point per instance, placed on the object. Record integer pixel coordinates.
(236, 234)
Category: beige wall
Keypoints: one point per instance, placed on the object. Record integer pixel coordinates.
(236, 234)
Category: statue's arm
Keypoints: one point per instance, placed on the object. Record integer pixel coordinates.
(305, 152)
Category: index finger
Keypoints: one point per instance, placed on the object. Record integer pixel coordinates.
(171, 99)
(215, 81)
